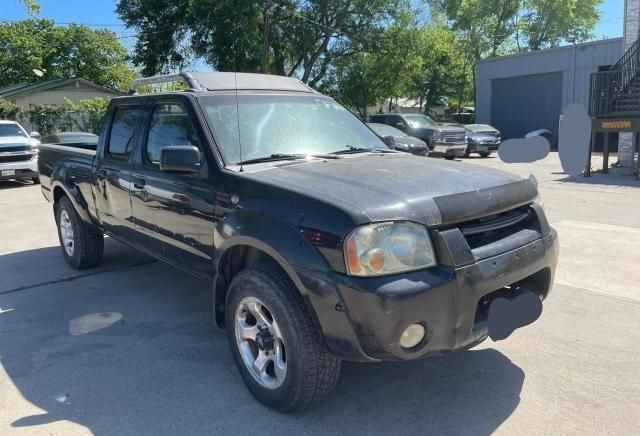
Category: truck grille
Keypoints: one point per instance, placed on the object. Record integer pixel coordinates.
(15, 158)
(490, 229)
(455, 136)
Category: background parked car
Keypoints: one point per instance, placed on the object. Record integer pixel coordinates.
(18, 152)
(399, 140)
(553, 141)
(451, 141)
(482, 139)
(68, 138)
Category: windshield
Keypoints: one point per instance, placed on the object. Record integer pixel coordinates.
(277, 124)
(384, 130)
(419, 120)
(11, 130)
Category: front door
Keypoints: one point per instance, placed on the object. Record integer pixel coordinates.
(174, 211)
(113, 171)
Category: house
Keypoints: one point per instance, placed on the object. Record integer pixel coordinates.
(54, 92)
(529, 91)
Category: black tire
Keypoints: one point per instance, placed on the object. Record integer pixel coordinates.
(35, 180)
(88, 244)
(311, 370)
(467, 153)
(485, 154)
(450, 157)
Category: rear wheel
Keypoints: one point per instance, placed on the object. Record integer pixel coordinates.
(82, 246)
(35, 180)
(276, 342)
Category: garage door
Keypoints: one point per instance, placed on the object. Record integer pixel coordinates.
(522, 104)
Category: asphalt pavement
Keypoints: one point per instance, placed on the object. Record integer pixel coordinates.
(130, 347)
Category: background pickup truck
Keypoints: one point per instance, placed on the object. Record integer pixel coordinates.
(321, 243)
(449, 141)
(18, 152)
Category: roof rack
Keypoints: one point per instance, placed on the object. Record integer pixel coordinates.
(227, 81)
(166, 78)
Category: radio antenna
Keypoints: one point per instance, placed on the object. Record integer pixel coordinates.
(235, 78)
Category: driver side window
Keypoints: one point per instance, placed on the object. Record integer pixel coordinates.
(170, 125)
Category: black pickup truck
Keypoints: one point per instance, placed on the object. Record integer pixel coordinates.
(321, 243)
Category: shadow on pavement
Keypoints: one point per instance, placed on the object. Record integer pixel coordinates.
(598, 178)
(164, 368)
(11, 184)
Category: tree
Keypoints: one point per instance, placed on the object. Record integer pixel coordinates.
(47, 118)
(442, 70)
(72, 51)
(8, 110)
(546, 23)
(89, 113)
(305, 36)
(365, 79)
(32, 6)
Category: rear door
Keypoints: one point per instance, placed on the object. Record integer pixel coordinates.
(113, 169)
(174, 211)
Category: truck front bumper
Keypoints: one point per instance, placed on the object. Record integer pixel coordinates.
(449, 149)
(19, 170)
(452, 304)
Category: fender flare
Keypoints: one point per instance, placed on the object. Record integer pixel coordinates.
(77, 199)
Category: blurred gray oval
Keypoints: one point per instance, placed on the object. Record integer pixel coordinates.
(524, 150)
(574, 139)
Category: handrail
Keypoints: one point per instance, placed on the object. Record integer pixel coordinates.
(613, 86)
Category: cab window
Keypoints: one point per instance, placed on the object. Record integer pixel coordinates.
(170, 125)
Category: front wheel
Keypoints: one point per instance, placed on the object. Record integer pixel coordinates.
(276, 342)
(82, 246)
(485, 154)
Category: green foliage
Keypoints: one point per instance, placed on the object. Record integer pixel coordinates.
(489, 27)
(48, 118)
(228, 34)
(87, 115)
(8, 110)
(424, 63)
(32, 6)
(61, 52)
(545, 23)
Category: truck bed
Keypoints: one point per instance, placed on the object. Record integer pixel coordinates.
(71, 163)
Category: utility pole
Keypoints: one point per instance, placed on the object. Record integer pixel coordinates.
(265, 56)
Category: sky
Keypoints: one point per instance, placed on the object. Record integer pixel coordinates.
(101, 12)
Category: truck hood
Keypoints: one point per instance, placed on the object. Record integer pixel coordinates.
(397, 186)
(448, 129)
(17, 140)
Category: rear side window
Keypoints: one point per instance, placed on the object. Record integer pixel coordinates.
(123, 131)
(170, 125)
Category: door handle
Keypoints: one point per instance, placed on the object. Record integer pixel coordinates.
(139, 182)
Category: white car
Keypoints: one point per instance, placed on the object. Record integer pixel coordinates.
(18, 152)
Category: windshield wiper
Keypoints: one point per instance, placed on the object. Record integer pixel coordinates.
(284, 156)
(352, 149)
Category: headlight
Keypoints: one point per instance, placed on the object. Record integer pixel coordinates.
(388, 248)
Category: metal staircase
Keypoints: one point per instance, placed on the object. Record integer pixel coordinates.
(616, 92)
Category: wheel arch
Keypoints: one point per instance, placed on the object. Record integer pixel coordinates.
(240, 253)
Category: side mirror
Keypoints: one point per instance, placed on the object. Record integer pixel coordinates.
(180, 159)
(34, 135)
(389, 141)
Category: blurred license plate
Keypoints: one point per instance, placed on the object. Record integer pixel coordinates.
(483, 148)
(6, 173)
